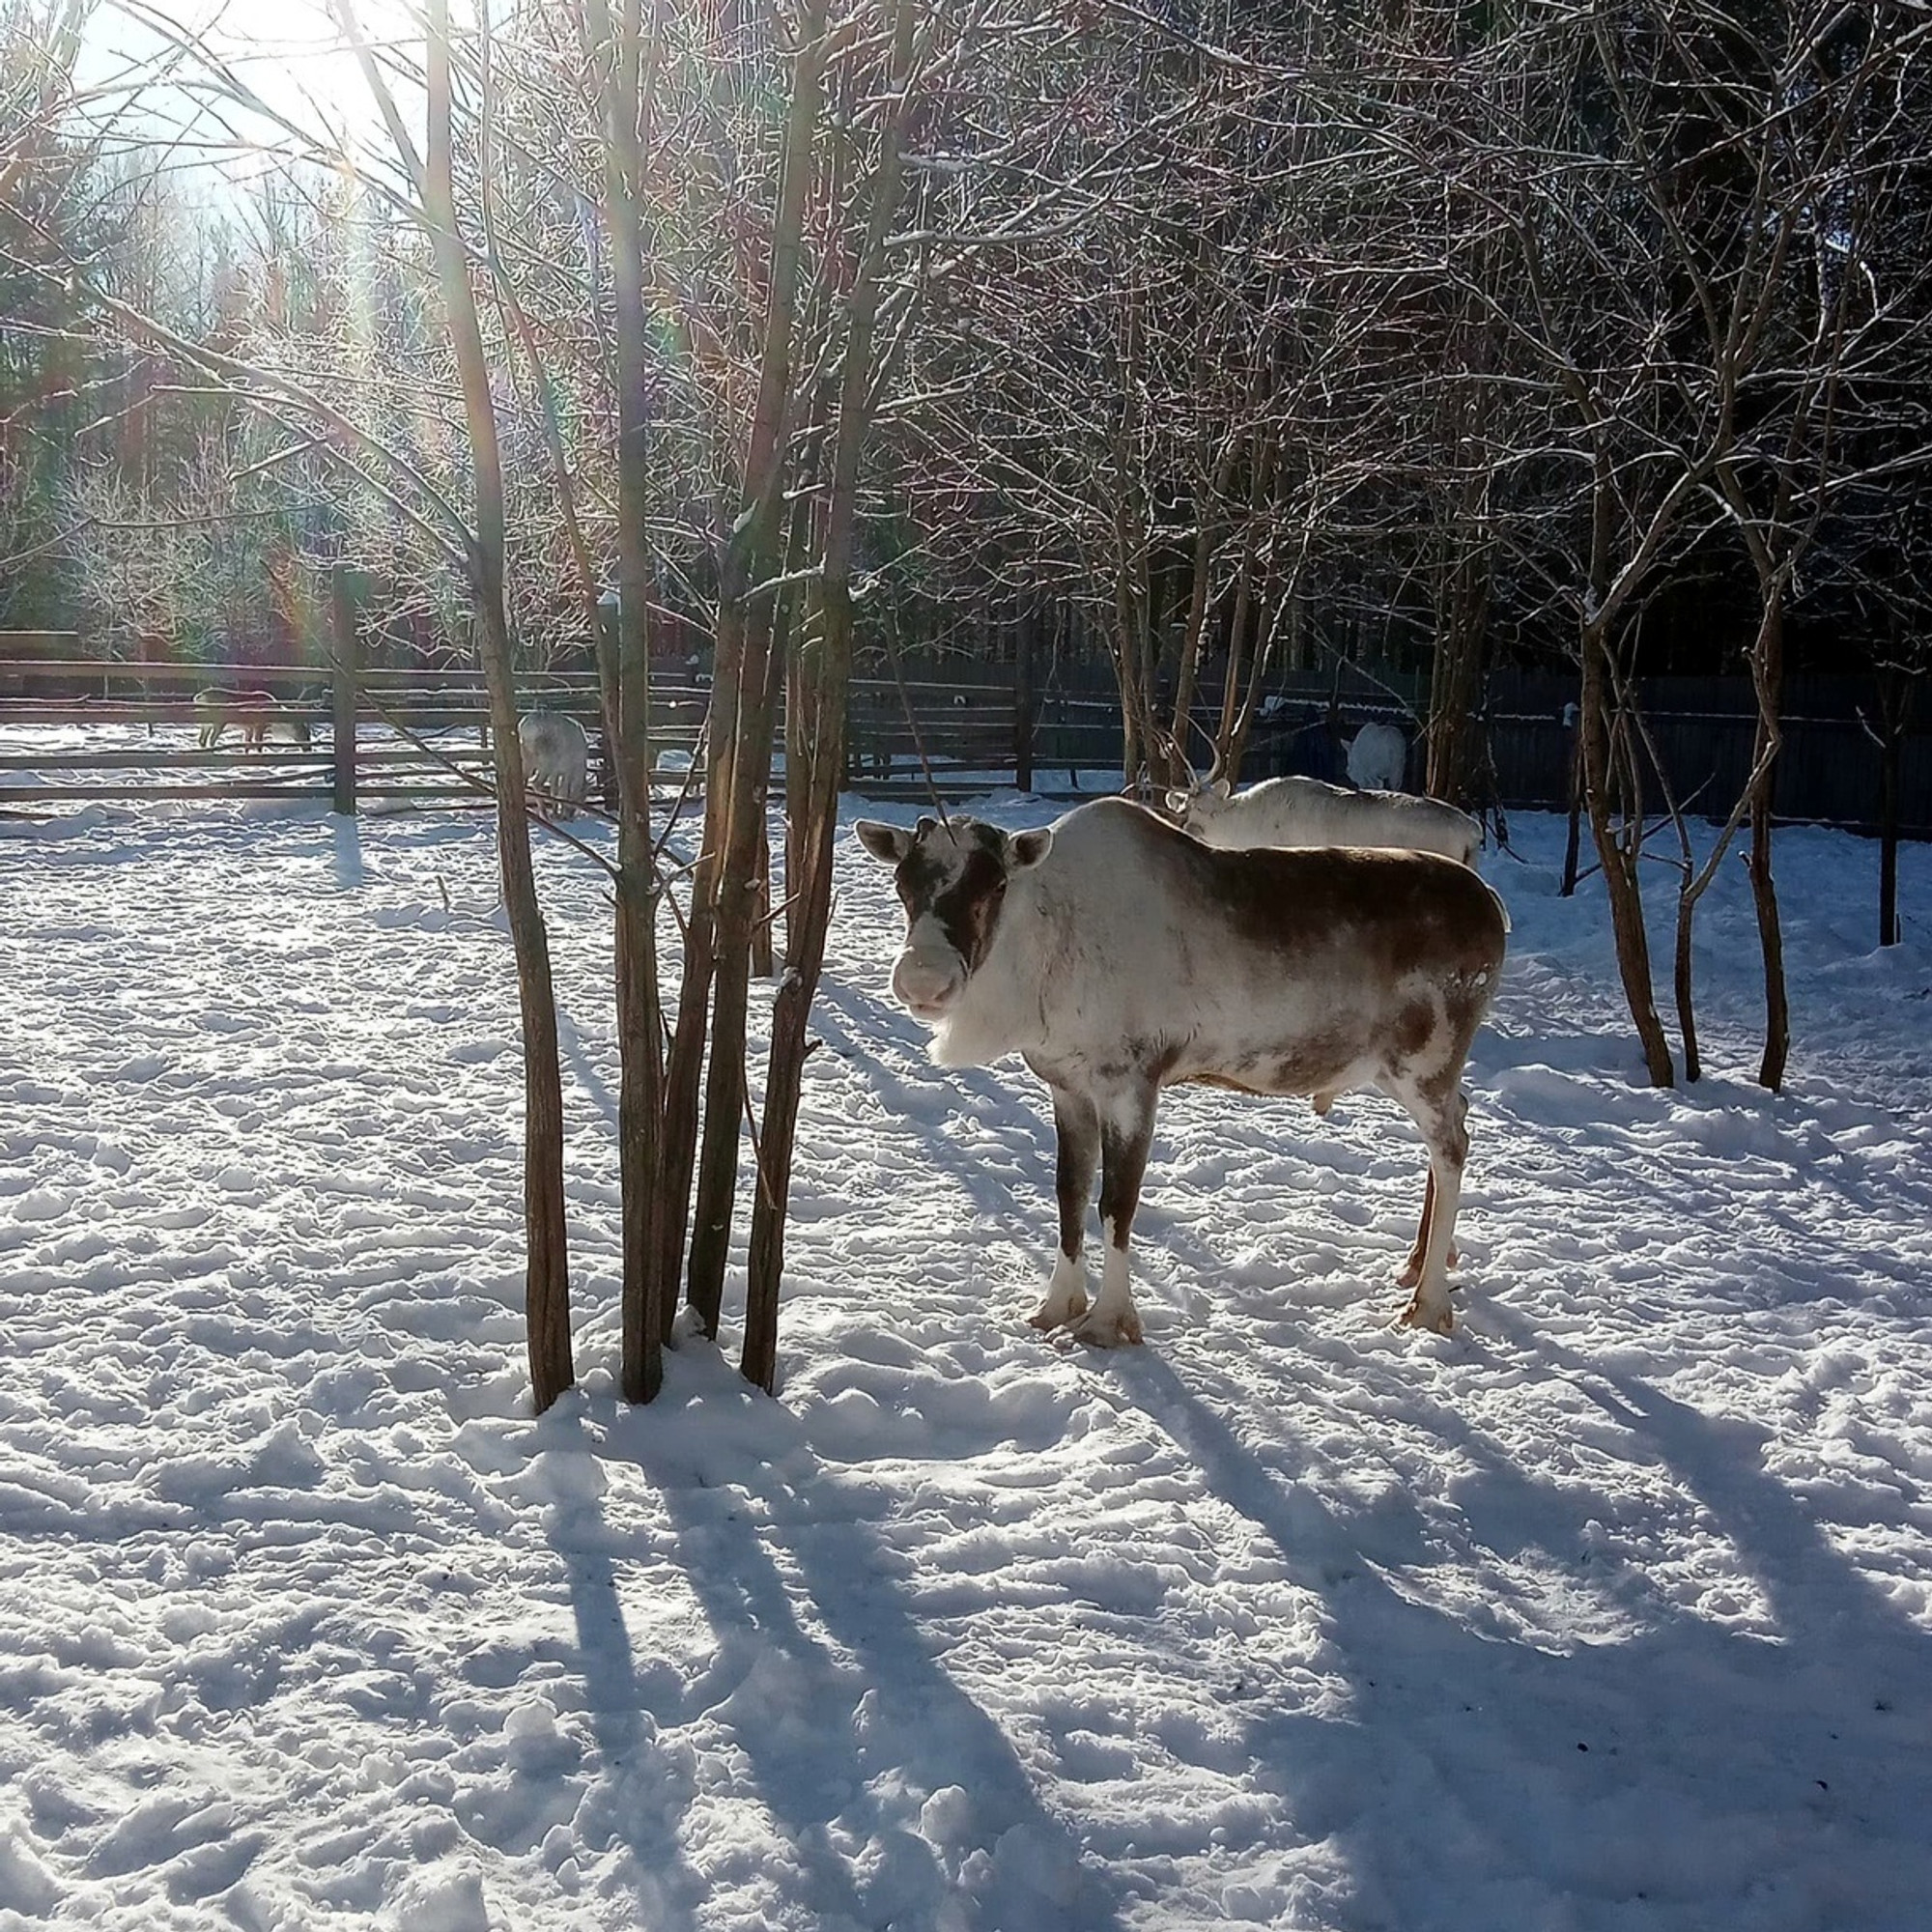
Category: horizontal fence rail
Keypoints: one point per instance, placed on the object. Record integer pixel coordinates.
(419, 735)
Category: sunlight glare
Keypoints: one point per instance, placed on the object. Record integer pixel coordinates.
(289, 54)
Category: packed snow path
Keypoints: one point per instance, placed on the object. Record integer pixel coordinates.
(1610, 1612)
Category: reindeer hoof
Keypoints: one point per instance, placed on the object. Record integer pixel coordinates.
(1112, 1331)
(1420, 1314)
(1052, 1314)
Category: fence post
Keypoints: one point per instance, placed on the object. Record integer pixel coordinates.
(1023, 700)
(1573, 837)
(344, 649)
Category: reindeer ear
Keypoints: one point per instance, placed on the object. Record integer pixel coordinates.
(1178, 800)
(1029, 848)
(888, 843)
(1223, 788)
(925, 827)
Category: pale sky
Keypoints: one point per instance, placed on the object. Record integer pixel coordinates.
(287, 51)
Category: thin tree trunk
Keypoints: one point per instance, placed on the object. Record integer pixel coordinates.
(1684, 990)
(823, 742)
(639, 1000)
(1455, 677)
(1131, 621)
(1025, 645)
(546, 1279)
(1570, 840)
(813, 805)
(1619, 866)
(1271, 612)
(1200, 606)
(1768, 681)
(735, 911)
(1690, 886)
(684, 1062)
(1240, 621)
(1889, 763)
(761, 903)
(1771, 939)
(1888, 774)
(746, 616)
(1193, 632)
(1895, 693)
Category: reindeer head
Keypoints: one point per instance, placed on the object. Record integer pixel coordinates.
(952, 879)
(1200, 799)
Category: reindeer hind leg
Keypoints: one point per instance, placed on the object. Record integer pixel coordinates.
(1411, 1268)
(1438, 1110)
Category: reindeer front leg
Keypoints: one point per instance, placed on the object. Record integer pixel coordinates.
(1076, 1124)
(1126, 1136)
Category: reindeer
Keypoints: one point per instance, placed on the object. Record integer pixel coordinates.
(556, 760)
(260, 715)
(1300, 812)
(1377, 758)
(1118, 956)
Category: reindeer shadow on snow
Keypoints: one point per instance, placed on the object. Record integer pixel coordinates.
(1672, 1769)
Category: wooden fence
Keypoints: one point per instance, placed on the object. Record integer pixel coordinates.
(396, 737)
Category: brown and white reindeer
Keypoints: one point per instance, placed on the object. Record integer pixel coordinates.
(1118, 956)
(260, 714)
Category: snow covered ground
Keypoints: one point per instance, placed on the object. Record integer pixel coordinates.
(1612, 1612)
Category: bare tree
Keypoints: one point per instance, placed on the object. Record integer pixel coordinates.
(627, 55)
(1799, 312)
(547, 1291)
(1876, 553)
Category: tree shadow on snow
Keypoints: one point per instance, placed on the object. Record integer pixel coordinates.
(577, 1058)
(1692, 1774)
(641, 1793)
(912, 1092)
(897, 1796)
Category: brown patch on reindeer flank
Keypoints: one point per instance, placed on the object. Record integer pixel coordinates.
(1309, 1069)
(1415, 1028)
(1314, 1068)
(1411, 910)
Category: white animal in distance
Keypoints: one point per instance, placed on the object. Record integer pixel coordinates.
(260, 714)
(556, 760)
(1378, 758)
